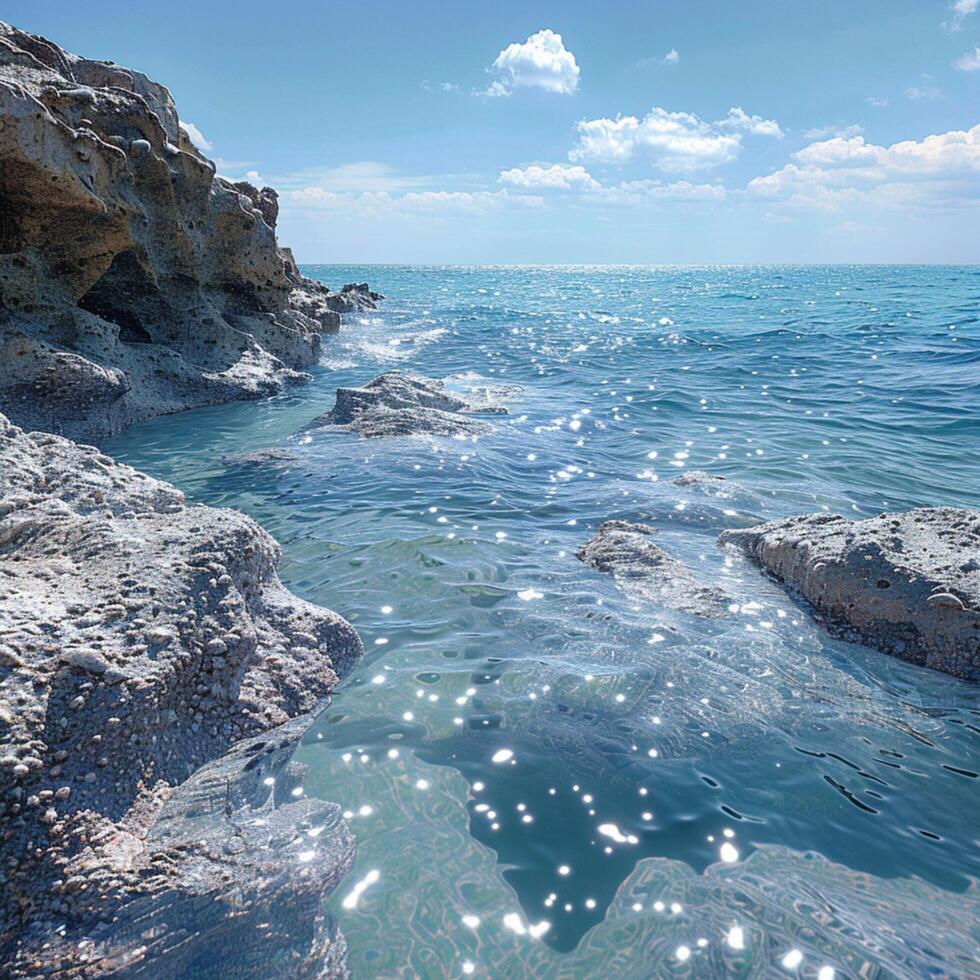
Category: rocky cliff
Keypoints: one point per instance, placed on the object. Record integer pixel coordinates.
(133, 281)
(141, 639)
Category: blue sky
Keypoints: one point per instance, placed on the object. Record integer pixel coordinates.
(694, 131)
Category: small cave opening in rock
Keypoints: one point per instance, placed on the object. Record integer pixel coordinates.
(117, 296)
(11, 236)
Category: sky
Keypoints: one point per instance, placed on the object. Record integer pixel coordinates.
(662, 131)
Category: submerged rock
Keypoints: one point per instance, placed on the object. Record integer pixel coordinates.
(701, 480)
(274, 457)
(403, 404)
(133, 281)
(141, 638)
(907, 584)
(645, 570)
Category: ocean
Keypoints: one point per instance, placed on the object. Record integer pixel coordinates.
(547, 777)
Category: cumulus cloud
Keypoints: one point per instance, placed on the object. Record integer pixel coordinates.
(876, 102)
(969, 61)
(196, 136)
(939, 170)
(737, 118)
(542, 61)
(573, 179)
(558, 176)
(675, 141)
(672, 57)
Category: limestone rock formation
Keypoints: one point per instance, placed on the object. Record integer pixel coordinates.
(905, 583)
(133, 281)
(403, 404)
(644, 570)
(141, 638)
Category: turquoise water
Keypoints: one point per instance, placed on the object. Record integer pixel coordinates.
(671, 796)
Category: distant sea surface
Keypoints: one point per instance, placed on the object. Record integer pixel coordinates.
(547, 777)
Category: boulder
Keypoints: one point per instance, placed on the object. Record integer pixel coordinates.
(905, 583)
(644, 570)
(140, 639)
(403, 404)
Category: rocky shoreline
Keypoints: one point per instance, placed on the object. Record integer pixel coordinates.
(134, 281)
(907, 584)
(149, 827)
(155, 674)
(142, 639)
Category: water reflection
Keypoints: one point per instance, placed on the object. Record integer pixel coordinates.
(527, 746)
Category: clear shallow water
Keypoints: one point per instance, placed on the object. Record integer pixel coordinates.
(645, 757)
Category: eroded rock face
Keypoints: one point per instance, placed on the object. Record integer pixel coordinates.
(133, 281)
(643, 569)
(140, 639)
(402, 404)
(907, 584)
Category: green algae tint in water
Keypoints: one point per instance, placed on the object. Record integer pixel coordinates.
(548, 778)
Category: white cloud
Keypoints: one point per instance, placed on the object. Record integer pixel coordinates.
(196, 136)
(961, 9)
(641, 191)
(672, 57)
(428, 86)
(675, 141)
(415, 202)
(737, 118)
(940, 170)
(969, 61)
(923, 94)
(558, 176)
(565, 178)
(822, 132)
(542, 61)
(876, 102)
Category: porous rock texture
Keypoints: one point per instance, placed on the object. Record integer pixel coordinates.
(140, 639)
(401, 404)
(644, 570)
(134, 281)
(905, 583)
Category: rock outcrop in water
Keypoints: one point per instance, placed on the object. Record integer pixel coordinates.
(907, 584)
(141, 638)
(133, 281)
(402, 404)
(644, 570)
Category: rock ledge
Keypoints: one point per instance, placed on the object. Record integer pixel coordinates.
(140, 639)
(906, 583)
